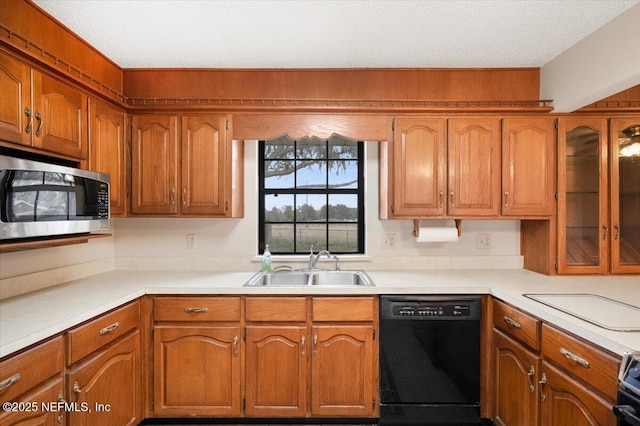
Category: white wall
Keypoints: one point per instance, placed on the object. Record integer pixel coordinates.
(232, 243)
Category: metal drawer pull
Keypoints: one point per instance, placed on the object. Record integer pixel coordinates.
(235, 345)
(76, 388)
(513, 323)
(575, 358)
(315, 344)
(196, 310)
(302, 349)
(109, 328)
(11, 380)
(62, 401)
(530, 374)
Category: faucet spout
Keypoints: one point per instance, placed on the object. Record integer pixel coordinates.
(329, 256)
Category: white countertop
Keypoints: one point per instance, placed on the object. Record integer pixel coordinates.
(27, 319)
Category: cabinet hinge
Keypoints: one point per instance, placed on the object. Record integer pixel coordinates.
(555, 265)
(373, 404)
(555, 124)
(374, 334)
(555, 196)
(393, 125)
(226, 124)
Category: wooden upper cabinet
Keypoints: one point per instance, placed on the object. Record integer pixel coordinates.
(583, 215)
(625, 196)
(15, 109)
(107, 150)
(528, 167)
(206, 158)
(154, 156)
(40, 111)
(419, 167)
(474, 167)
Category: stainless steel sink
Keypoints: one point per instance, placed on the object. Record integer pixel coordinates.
(310, 278)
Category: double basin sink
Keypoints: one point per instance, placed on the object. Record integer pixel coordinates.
(310, 278)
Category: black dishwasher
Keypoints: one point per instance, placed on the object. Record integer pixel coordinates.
(430, 360)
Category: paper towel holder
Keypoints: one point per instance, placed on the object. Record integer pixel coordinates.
(416, 227)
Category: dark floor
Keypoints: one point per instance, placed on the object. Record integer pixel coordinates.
(263, 422)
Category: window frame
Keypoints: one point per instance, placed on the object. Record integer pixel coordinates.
(359, 191)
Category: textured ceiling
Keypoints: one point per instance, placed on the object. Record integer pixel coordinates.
(333, 34)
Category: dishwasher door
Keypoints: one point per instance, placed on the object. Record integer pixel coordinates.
(430, 360)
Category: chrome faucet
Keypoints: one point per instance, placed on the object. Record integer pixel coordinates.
(314, 260)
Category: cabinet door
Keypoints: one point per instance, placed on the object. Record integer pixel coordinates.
(419, 167)
(197, 371)
(515, 381)
(583, 225)
(474, 167)
(109, 385)
(568, 402)
(205, 161)
(154, 176)
(276, 371)
(107, 150)
(15, 109)
(59, 117)
(528, 167)
(37, 413)
(342, 371)
(625, 195)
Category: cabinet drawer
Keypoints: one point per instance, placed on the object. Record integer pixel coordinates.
(28, 369)
(276, 309)
(589, 363)
(91, 336)
(196, 309)
(517, 324)
(343, 308)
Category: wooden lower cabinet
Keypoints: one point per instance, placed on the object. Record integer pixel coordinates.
(342, 371)
(51, 393)
(107, 386)
(565, 401)
(197, 371)
(516, 368)
(276, 371)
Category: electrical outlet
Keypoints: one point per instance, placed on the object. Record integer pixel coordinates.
(483, 241)
(389, 241)
(192, 241)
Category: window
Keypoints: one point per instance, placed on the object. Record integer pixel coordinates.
(311, 192)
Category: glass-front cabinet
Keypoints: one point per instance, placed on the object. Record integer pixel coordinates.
(598, 195)
(625, 195)
(583, 222)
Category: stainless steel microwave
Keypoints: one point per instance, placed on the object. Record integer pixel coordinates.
(42, 200)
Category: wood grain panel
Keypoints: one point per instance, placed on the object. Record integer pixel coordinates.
(343, 308)
(196, 309)
(276, 309)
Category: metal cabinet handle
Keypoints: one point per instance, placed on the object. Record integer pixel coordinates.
(530, 374)
(76, 388)
(513, 323)
(506, 198)
(184, 196)
(10, 381)
(543, 380)
(451, 197)
(172, 198)
(315, 344)
(606, 231)
(39, 118)
(302, 345)
(617, 228)
(440, 196)
(235, 345)
(61, 401)
(575, 358)
(27, 112)
(109, 328)
(196, 310)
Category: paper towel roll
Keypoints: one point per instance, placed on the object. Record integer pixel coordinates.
(436, 234)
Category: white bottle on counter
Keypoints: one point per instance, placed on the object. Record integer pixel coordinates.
(266, 259)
